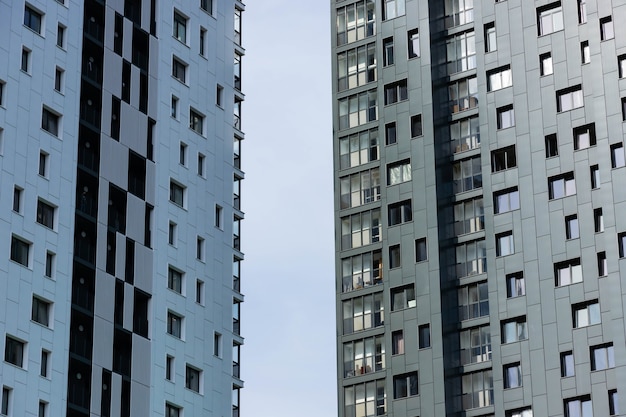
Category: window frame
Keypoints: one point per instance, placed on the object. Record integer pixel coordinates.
(550, 19)
(505, 117)
(519, 325)
(50, 121)
(405, 385)
(413, 43)
(503, 159)
(33, 19)
(512, 373)
(396, 92)
(607, 30)
(566, 188)
(177, 193)
(18, 253)
(179, 27)
(46, 214)
(41, 311)
(515, 285)
(15, 351)
(568, 272)
(196, 121)
(589, 311)
(505, 244)
(602, 357)
(545, 64)
(569, 98)
(499, 78)
(179, 69)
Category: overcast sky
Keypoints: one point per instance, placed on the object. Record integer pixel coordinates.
(288, 318)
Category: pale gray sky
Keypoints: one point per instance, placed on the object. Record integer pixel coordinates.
(288, 318)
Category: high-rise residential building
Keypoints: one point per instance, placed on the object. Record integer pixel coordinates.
(479, 177)
(120, 151)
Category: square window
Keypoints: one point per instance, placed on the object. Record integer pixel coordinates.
(388, 58)
(578, 407)
(505, 117)
(416, 125)
(172, 410)
(514, 330)
(200, 292)
(606, 28)
(405, 385)
(414, 43)
(602, 357)
(17, 199)
(503, 158)
(569, 98)
(567, 364)
(20, 251)
(41, 311)
(393, 9)
(50, 121)
(550, 18)
(403, 297)
(25, 63)
(33, 19)
(174, 324)
(196, 122)
(545, 61)
(515, 285)
(504, 244)
(490, 37)
(602, 264)
(45, 214)
(617, 155)
(424, 336)
(174, 280)
(561, 186)
(177, 194)
(585, 52)
(552, 146)
(506, 200)
(571, 227)
(390, 133)
(397, 342)
(179, 70)
(58, 79)
(586, 314)
(400, 213)
(50, 261)
(6, 400)
(169, 368)
(512, 375)
(398, 172)
(594, 172)
(394, 256)
(568, 272)
(193, 378)
(180, 27)
(14, 351)
(421, 251)
(598, 220)
(61, 36)
(44, 368)
(499, 78)
(613, 403)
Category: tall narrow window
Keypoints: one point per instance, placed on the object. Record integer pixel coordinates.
(571, 227)
(416, 125)
(598, 220)
(545, 61)
(58, 79)
(25, 63)
(388, 58)
(606, 28)
(585, 52)
(582, 11)
(617, 155)
(413, 43)
(505, 117)
(602, 264)
(390, 133)
(180, 27)
(490, 37)
(424, 336)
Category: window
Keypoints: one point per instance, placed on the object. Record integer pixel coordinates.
(397, 342)
(219, 95)
(515, 285)
(621, 241)
(390, 133)
(358, 109)
(398, 172)
(199, 248)
(58, 79)
(524, 412)
(584, 136)
(6, 400)
(14, 351)
(207, 6)
(182, 154)
(43, 164)
(458, 12)
(490, 37)
(50, 121)
(512, 375)
(416, 125)
(571, 227)
(60, 36)
(613, 403)
(598, 220)
(20, 251)
(17, 199)
(400, 213)
(473, 301)
(367, 399)
(174, 324)
(393, 9)
(169, 368)
(568, 272)
(2, 84)
(505, 117)
(172, 410)
(180, 27)
(461, 52)
(465, 134)
(567, 364)
(602, 264)
(357, 66)
(200, 292)
(621, 64)
(606, 28)
(360, 229)
(394, 257)
(423, 335)
(467, 175)
(552, 146)
(586, 314)
(219, 216)
(413, 39)
(356, 21)
(43, 407)
(201, 162)
(503, 158)
(359, 148)
(45, 214)
(361, 313)
(602, 357)
(569, 98)
(550, 18)
(41, 311)
(582, 11)
(585, 52)
(177, 194)
(561, 185)
(174, 107)
(171, 234)
(469, 216)
(192, 378)
(403, 297)
(405, 385)
(179, 70)
(471, 258)
(388, 56)
(396, 92)
(545, 64)
(217, 344)
(33, 19)
(174, 280)
(514, 330)
(421, 250)
(463, 94)
(362, 270)
(617, 155)
(364, 356)
(475, 345)
(499, 78)
(25, 63)
(623, 104)
(594, 172)
(477, 389)
(578, 407)
(44, 368)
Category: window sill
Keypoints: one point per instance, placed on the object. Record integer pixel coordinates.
(34, 31)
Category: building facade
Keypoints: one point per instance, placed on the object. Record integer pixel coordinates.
(120, 162)
(479, 170)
